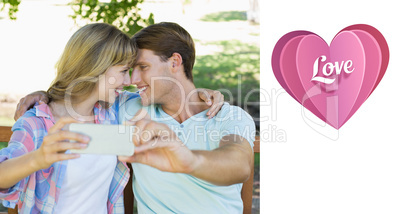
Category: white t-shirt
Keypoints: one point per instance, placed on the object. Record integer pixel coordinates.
(86, 185)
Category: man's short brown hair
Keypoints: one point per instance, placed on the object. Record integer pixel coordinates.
(166, 38)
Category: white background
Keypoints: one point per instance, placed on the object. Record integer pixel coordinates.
(359, 170)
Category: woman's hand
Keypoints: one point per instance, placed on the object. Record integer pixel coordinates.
(52, 150)
(213, 98)
(57, 142)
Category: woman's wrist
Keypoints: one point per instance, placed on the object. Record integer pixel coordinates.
(33, 160)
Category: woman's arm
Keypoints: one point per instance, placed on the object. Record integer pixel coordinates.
(52, 150)
(16, 169)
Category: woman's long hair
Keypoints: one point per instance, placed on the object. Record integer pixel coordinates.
(88, 54)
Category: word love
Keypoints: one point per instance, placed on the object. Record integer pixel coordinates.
(329, 68)
(357, 58)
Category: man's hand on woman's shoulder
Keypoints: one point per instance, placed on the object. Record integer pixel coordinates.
(28, 101)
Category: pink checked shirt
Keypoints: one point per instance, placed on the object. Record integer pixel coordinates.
(38, 193)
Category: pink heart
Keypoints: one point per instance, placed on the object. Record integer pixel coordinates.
(358, 56)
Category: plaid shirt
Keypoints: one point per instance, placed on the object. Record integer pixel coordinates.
(38, 193)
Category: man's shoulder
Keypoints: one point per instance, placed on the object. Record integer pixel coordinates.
(234, 120)
(228, 107)
(127, 95)
(128, 107)
(231, 112)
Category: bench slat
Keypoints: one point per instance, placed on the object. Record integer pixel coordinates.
(5, 133)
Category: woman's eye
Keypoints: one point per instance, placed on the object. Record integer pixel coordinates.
(143, 67)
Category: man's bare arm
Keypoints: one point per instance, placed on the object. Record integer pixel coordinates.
(28, 101)
(229, 164)
(213, 98)
(158, 146)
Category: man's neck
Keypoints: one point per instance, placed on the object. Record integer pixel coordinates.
(184, 104)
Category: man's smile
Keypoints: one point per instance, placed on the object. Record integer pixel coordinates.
(142, 89)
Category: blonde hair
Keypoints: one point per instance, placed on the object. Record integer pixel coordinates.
(88, 54)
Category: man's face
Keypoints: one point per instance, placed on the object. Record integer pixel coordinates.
(152, 77)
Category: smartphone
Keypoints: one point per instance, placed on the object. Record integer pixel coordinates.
(105, 139)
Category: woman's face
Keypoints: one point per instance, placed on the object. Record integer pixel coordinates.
(113, 81)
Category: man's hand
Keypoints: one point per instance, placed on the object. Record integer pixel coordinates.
(28, 101)
(213, 98)
(158, 146)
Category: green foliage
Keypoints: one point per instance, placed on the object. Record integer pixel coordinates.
(12, 9)
(2, 209)
(235, 68)
(185, 2)
(122, 13)
(225, 16)
(3, 144)
(257, 160)
(130, 88)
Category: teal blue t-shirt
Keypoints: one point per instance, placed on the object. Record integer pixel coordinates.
(165, 192)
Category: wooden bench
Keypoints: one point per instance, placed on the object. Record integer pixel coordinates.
(246, 192)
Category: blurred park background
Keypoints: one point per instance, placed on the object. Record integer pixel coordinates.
(226, 32)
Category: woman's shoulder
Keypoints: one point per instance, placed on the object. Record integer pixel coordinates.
(33, 118)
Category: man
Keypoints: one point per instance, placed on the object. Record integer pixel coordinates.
(183, 161)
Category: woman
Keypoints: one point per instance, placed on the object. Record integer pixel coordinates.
(36, 172)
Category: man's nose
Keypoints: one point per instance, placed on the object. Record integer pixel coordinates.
(135, 77)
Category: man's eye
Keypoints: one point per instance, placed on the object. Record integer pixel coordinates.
(142, 67)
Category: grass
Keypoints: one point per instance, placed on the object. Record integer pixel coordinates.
(225, 16)
(234, 71)
(235, 68)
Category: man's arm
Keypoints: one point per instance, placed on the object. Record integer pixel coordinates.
(229, 164)
(158, 146)
(213, 98)
(28, 101)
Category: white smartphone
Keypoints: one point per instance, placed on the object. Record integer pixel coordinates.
(105, 139)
